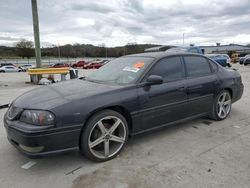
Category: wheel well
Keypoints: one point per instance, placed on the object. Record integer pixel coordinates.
(230, 91)
(118, 109)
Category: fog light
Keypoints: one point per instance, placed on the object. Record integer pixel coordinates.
(31, 149)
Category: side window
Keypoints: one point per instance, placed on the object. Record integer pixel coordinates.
(169, 68)
(197, 66)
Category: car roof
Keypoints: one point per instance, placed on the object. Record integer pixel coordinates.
(159, 55)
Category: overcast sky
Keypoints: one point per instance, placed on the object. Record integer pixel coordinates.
(118, 22)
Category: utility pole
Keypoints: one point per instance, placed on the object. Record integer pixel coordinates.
(183, 38)
(36, 33)
(124, 50)
(59, 53)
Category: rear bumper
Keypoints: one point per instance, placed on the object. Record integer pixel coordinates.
(43, 142)
(239, 93)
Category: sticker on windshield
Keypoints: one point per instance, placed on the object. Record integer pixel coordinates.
(139, 64)
(131, 69)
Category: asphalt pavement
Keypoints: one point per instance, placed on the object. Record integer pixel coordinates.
(199, 153)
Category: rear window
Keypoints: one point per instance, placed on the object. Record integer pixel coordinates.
(197, 66)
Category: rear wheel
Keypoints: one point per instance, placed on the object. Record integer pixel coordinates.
(222, 106)
(104, 136)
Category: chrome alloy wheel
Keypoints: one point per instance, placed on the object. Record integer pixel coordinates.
(224, 105)
(107, 137)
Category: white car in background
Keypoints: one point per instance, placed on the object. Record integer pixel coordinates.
(9, 69)
(25, 67)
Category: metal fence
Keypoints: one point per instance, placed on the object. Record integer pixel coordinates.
(49, 61)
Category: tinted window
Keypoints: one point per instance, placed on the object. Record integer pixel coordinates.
(197, 66)
(169, 68)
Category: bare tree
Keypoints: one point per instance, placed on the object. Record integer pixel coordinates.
(25, 48)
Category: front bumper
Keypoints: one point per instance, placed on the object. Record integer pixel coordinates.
(43, 142)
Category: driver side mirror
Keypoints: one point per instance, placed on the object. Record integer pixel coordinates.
(154, 80)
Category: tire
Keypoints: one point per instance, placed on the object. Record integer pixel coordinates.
(104, 136)
(222, 106)
(2, 71)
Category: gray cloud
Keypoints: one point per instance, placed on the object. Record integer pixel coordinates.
(117, 22)
(92, 7)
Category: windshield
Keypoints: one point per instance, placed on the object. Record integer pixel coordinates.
(124, 70)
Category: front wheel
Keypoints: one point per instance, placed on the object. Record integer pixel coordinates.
(104, 136)
(222, 106)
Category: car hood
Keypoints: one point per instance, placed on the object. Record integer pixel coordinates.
(47, 97)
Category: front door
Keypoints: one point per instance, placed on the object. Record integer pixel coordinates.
(166, 102)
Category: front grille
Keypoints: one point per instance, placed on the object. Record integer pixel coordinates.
(13, 112)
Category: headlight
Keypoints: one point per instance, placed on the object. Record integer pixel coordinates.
(37, 117)
(13, 112)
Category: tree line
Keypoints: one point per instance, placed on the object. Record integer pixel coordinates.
(25, 49)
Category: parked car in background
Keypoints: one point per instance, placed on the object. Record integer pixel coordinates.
(223, 59)
(59, 65)
(25, 67)
(95, 64)
(242, 59)
(190, 49)
(7, 64)
(79, 64)
(247, 61)
(175, 49)
(128, 96)
(9, 68)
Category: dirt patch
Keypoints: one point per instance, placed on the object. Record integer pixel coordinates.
(124, 177)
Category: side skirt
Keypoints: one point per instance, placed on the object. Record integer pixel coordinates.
(169, 124)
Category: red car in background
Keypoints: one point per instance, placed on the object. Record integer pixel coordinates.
(95, 64)
(79, 64)
(59, 65)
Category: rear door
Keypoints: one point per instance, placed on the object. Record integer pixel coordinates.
(167, 102)
(201, 83)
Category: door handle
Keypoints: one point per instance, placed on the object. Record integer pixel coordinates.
(181, 88)
(216, 82)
